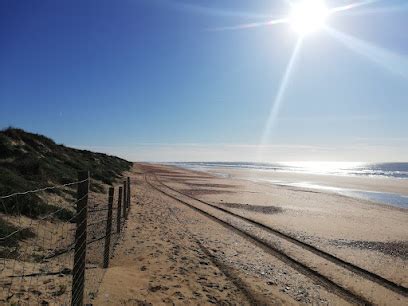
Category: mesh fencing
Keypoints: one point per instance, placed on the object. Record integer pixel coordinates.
(56, 241)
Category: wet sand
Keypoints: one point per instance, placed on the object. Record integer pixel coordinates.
(172, 254)
(379, 184)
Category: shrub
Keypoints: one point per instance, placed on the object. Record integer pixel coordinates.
(7, 228)
(35, 161)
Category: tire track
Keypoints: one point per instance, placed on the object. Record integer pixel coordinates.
(327, 283)
(236, 281)
(336, 260)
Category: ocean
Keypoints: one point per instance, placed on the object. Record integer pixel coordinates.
(382, 170)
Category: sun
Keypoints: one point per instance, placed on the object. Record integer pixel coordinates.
(308, 16)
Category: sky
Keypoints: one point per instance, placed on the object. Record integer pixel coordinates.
(179, 80)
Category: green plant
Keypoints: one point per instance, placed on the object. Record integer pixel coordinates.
(30, 161)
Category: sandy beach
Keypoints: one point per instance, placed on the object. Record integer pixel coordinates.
(377, 184)
(195, 238)
(197, 152)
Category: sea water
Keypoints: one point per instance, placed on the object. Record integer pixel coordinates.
(384, 170)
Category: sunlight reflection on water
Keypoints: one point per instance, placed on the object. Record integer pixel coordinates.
(393, 199)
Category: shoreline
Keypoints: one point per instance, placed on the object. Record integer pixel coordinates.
(391, 192)
(376, 197)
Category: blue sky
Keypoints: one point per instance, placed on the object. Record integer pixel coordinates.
(153, 80)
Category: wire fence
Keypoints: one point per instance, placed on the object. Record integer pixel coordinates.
(56, 242)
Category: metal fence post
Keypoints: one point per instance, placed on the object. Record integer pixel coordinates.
(124, 199)
(128, 193)
(119, 210)
(78, 271)
(108, 228)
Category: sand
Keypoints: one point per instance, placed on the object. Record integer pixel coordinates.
(29, 279)
(171, 253)
(380, 184)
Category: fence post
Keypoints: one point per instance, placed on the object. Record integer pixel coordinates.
(128, 193)
(78, 271)
(124, 199)
(119, 210)
(108, 229)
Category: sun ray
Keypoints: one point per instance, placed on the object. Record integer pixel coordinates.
(317, 7)
(352, 6)
(378, 10)
(250, 25)
(388, 60)
(280, 94)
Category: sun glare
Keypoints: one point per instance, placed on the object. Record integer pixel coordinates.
(308, 16)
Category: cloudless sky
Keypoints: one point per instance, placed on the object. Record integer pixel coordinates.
(154, 80)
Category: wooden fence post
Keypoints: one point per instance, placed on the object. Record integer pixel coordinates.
(78, 271)
(118, 219)
(124, 199)
(108, 229)
(128, 193)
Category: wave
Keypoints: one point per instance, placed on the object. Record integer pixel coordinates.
(394, 170)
